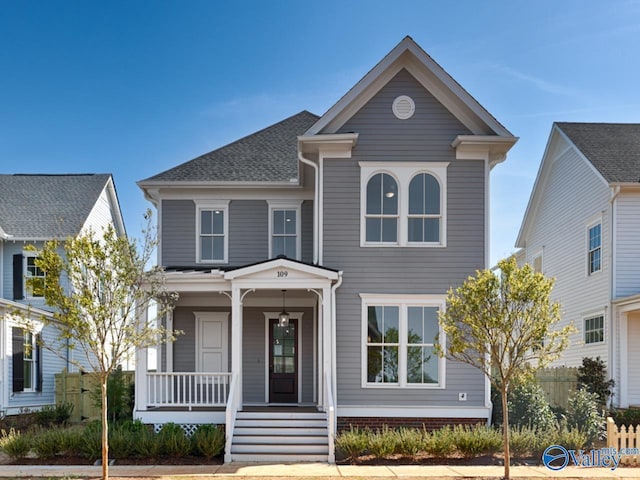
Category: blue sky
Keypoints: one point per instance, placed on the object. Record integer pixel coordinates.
(135, 87)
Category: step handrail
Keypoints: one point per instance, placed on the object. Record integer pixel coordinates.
(230, 417)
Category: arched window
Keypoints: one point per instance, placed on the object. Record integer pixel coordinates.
(382, 209)
(424, 209)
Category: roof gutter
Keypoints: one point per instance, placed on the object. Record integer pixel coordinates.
(316, 203)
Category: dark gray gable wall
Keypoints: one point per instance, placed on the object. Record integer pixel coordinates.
(427, 136)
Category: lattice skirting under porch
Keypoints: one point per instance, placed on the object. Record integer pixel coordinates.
(376, 423)
(189, 428)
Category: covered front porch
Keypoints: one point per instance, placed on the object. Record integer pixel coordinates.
(235, 351)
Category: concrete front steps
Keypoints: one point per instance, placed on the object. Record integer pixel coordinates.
(280, 437)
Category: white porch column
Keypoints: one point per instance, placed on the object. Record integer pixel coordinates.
(327, 338)
(141, 368)
(320, 352)
(168, 346)
(236, 340)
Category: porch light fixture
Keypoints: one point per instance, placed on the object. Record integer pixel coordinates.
(283, 318)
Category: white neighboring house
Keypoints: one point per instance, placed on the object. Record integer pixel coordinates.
(582, 227)
(34, 209)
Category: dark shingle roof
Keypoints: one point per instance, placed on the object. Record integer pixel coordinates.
(48, 206)
(269, 155)
(612, 148)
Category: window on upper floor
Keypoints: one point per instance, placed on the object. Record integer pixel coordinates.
(212, 238)
(424, 209)
(284, 225)
(594, 329)
(35, 278)
(403, 204)
(399, 334)
(382, 209)
(594, 250)
(536, 261)
(26, 361)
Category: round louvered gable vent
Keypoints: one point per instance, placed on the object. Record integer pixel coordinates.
(403, 107)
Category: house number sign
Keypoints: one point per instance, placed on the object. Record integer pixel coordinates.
(283, 273)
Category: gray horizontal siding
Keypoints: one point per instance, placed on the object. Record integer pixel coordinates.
(248, 232)
(427, 136)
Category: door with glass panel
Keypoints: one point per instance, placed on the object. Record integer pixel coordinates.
(283, 362)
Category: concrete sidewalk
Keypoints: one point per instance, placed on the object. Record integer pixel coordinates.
(309, 470)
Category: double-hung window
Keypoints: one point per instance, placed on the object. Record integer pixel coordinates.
(382, 209)
(399, 336)
(424, 209)
(594, 329)
(403, 204)
(35, 285)
(26, 361)
(212, 238)
(284, 220)
(594, 254)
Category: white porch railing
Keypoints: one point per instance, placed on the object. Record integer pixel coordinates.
(187, 389)
(331, 417)
(230, 419)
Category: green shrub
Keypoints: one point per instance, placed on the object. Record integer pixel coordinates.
(208, 441)
(92, 441)
(583, 412)
(71, 441)
(440, 443)
(628, 416)
(592, 376)
(14, 444)
(471, 441)
(48, 443)
(409, 442)
(54, 414)
(173, 441)
(528, 406)
(352, 442)
(523, 441)
(122, 441)
(571, 439)
(383, 443)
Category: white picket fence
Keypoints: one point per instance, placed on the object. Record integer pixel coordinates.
(623, 438)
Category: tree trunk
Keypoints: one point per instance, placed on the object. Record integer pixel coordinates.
(105, 428)
(505, 431)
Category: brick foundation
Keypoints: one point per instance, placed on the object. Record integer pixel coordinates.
(376, 423)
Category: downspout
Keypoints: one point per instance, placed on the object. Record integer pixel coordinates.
(612, 271)
(333, 337)
(316, 205)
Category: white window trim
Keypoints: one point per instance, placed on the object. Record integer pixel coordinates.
(539, 253)
(287, 205)
(217, 205)
(403, 302)
(25, 262)
(403, 173)
(584, 328)
(590, 225)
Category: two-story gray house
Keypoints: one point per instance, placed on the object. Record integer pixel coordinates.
(312, 258)
(34, 209)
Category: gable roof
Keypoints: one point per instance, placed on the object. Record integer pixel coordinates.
(612, 148)
(47, 206)
(408, 54)
(269, 155)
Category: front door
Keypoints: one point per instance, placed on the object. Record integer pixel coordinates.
(283, 362)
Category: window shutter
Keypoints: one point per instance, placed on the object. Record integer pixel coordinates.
(17, 337)
(38, 362)
(18, 277)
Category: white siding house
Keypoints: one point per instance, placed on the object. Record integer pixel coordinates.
(34, 209)
(582, 227)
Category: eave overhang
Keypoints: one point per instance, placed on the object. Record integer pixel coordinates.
(490, 147)
(337, 144)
